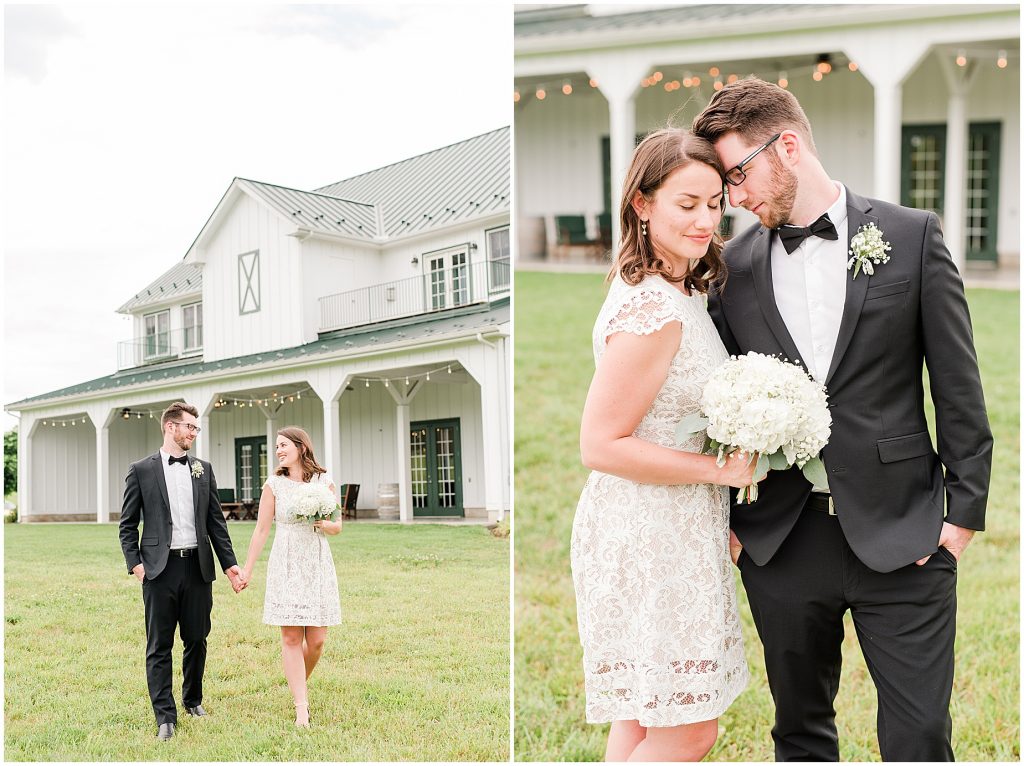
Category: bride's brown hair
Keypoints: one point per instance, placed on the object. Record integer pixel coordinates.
(307, 462)
(657, 156)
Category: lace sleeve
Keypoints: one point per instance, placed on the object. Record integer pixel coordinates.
(642, 312)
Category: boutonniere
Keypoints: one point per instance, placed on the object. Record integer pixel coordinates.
(867, 249)
(197, 469)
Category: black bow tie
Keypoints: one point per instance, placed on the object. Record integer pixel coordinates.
(792, 236)
(172, 460)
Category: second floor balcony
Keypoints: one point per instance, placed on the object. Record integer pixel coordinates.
(157, 347)
(449, 286)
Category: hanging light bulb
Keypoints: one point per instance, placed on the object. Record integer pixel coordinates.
(428, 376)
(567, 89)
(817, 76)
(298, 395)
(714, 71)
(852, 66)
(783, 80)
(449, 369)
(367, 382)
(406, 380)
(1001, 61)
(541, 94)
(593, 83)
(387, 383)
(961, 58)
(516, 96)
(696, 81)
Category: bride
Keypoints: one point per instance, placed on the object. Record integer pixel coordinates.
(302, 587)
(655, 595)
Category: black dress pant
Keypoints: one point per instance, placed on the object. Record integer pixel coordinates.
(905, 622)
(178, 596)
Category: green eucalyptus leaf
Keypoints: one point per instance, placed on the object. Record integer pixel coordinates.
(778, 461)
(814, 472)
(761, 469)
(690, 425)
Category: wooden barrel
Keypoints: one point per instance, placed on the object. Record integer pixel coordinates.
(387, 501)
(532, 237)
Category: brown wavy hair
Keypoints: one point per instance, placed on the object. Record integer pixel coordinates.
(755, 110)
(657, 156)
(301, 439)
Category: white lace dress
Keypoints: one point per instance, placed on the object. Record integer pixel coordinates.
(655, 596)
(302, 586)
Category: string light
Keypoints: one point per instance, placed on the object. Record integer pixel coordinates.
(1001, 61)
(783, 80)
(961, 58)
(567, 89)
(516, 97)
(541, 94)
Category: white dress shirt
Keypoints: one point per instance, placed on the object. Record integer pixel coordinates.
(178, 478)
(810, 290)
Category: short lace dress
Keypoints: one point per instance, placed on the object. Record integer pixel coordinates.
(655, 594)
(302, 586)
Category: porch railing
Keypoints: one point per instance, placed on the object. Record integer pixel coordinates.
(434, 291)
(159, 347)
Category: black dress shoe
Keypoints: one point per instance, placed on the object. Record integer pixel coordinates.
(196, 711)
(166, 731)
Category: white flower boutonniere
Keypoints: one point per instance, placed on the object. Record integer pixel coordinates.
(197, 469)
(867, 248)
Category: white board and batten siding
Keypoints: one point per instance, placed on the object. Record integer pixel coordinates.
(251, 226)
(62, 470)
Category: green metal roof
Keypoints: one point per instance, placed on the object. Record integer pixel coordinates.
(467, 320)
(467, 180)
(180, 280)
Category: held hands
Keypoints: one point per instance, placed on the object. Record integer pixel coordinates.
(140, 572)
(239, 578)
(954, 539)
(735, 547)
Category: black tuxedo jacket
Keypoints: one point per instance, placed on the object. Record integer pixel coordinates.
(887, 481)
(145, 500)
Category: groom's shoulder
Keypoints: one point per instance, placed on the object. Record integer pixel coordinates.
(891, 211)
(144, 461)
(742, 241)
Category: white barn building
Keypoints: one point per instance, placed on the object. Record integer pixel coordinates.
(373, 312)
(915, 104)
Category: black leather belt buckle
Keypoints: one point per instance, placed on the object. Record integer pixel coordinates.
(821, 501)
(183, 552)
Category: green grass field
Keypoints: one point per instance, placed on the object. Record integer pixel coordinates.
(554, 314)
(418, 670)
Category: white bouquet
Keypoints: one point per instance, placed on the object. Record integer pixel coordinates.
(760, 404)
(315, 502)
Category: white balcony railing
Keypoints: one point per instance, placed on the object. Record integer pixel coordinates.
(435, 291)
(159, 347)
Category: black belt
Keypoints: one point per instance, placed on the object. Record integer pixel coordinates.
(183, 552)
(821, 501)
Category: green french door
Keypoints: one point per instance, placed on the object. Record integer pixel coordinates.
(923, 180)
(982, 201)
(250, 467)
(436, 468)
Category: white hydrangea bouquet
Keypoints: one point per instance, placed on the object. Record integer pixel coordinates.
(315, 502)
(761, 404)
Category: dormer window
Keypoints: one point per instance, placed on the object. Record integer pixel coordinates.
(192, 326)
(158, 336)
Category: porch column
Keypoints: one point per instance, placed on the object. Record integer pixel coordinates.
(102, 472)
(332, 440)
(885, 58)
(403, 396)
(888, 136)
(494, 417)
(271, 444)
(25, 427)
(958, 79)
(205, 437)
(618, 80)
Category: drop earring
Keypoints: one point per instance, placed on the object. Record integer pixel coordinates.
(643, 228)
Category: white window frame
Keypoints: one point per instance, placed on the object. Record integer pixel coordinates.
(453, 277)
(195, 325)
(160, 349)
(495, 285)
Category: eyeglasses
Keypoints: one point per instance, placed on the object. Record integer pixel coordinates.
(193, 428)
(735, 175)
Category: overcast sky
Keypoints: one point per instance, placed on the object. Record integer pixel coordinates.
(122, 128)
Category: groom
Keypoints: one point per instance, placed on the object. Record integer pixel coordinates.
(884, 537)
(176, 500)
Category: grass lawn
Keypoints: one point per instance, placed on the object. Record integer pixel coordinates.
(553, 366)
(418, 670)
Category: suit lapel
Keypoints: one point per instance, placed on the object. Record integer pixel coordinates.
(761, 268)
(857, 215)
(161, 482)
(195, 495)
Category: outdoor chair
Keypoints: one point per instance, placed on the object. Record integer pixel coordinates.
(572, 233)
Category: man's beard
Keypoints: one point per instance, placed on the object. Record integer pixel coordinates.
(183, 443)
(782, 188)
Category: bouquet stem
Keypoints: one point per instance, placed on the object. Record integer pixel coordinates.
(747, 494)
